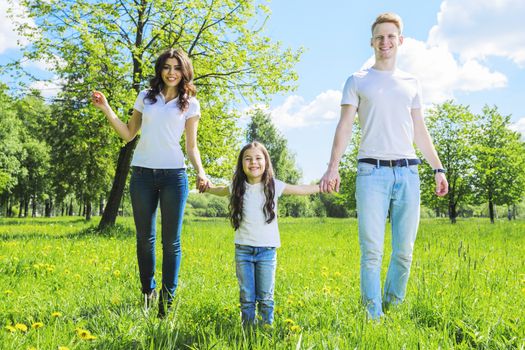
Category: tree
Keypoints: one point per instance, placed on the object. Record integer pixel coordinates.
(500, 160)
(10, 147)
(117, 40)
(262, 129)
(33, 185)
(453, 131)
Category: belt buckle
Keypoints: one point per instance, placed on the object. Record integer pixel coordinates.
(391, 163)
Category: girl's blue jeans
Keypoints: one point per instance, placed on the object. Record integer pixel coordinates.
(381, 189)
(148, 187)
(255, 267)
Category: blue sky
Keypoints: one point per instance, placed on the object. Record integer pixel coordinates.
(472, 51)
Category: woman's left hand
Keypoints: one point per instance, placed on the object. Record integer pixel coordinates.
(202, 182)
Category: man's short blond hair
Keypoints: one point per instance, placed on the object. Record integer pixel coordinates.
(389, 17)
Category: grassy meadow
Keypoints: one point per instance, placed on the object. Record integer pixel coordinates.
(63, 286)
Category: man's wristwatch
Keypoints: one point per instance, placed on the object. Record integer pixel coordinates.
(439, 171)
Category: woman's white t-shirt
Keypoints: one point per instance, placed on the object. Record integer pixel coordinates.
(253, 229)
(162, 127)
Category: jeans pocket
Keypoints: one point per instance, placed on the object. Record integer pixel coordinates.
(414, 169)
(365, 169)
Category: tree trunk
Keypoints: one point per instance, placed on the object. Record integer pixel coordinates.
(26, 206)
(101, 206)
(48, 208)
(452, 212)
(33, 207)
(491, 211)
(115, 196)
(21, 206)
(70, 212)
(88, 210)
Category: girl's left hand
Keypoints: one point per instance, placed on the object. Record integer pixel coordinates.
(202, 182)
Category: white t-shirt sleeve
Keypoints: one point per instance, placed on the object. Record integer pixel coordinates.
(194, 109)
(279, 187)
(416, 102)
(139, 102)
(350, 96)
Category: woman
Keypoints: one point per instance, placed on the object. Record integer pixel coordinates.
(164, 111)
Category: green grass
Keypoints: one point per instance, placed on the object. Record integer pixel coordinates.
(467, 289)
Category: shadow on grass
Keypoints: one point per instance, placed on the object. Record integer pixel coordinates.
(118, 231)
(41, 221)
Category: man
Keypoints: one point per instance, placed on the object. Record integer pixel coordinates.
(388, 103)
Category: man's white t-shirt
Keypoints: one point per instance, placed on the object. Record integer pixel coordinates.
(253, 229)
(384, 100)
(162, 127)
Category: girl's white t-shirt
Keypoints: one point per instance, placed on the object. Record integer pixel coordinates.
(162, 127)
(253, 230)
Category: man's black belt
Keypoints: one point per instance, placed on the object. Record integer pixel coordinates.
(390, 163)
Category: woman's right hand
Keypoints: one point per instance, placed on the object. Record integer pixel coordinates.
(99, 100)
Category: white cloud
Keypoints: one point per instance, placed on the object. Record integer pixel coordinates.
(477, 29)
(46, 64)
(49, 89)
(519, 126)
(441, 74)
(295, 112)
(9, 39)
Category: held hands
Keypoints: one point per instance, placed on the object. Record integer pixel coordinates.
(441, 184)
(99, 100)
(202, 183)
(330, 181)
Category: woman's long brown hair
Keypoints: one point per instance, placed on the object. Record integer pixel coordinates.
(185, 89)
(239, 187)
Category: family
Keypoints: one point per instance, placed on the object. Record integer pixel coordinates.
(389, 107)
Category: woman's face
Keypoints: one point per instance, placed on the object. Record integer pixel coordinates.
(171, 73)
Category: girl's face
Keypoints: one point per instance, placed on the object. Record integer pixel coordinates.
(253, 164)
(171, 73)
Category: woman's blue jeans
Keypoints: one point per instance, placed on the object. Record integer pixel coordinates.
(380, 190)
(255, 267)
(148, 187)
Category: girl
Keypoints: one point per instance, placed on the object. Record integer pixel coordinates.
(253, 207)
(164, 111)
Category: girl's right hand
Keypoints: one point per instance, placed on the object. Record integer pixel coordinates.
(99, 100)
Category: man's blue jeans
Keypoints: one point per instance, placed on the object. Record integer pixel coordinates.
(147, 188)
(378, 191)
(255, 267)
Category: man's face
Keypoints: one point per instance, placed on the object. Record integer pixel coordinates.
(385, 40)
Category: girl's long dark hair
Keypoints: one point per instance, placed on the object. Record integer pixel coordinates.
(185, 89)
(239, 187)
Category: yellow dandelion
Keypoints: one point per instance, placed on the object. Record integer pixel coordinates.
(21, 327)
(289, 321)
(324, 274)
(8, 292)
(63, 348)
(67, 272)
(107, 269)
(56, 314)
(37, 325)
(295, 328)
(31, 348)
(85, 334)
(337, 274)
(10, 329)
(326, 290)
(77, 276)
(116, 273)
